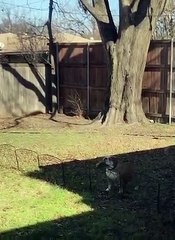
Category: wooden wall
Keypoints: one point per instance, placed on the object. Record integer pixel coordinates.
(22, 86)
(82, 72)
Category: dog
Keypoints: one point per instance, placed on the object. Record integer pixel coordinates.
(117, 172)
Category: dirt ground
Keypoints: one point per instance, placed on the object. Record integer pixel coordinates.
(43, 122)
(120, 138)
(40, 122)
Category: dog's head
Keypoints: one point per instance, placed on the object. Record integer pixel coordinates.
(108, 162)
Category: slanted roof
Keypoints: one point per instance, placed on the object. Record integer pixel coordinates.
(12, 42)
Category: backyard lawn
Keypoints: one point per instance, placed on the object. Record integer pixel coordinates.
(43, 203)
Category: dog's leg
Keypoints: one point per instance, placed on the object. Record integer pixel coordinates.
(108, 189)
(121, 186)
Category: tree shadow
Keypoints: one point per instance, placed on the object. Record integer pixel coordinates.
(27, 84)
(145, 212)
(35, 76)
(17, 121)
(40, 86)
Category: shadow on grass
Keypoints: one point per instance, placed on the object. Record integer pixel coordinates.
(143, 213)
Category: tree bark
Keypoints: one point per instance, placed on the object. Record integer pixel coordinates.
(126, 51)
(52, 60)
(128, 58)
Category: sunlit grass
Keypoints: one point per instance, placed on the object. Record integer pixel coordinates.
(25, 201)
(95, 142)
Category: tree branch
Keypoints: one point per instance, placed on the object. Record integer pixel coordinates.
(125, 14)
(109, 12)
(134, 5)
(142, 11)
(91, 9)
(102, 13)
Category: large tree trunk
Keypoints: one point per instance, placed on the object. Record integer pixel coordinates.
(127, 51)
(128, 58)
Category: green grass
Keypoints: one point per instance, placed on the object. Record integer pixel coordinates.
(33, 207)
(40, 211)
(85, 143)
(25, 201)
(62, 144)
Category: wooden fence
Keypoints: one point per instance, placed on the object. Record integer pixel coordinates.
(24, 87)
(83, 73)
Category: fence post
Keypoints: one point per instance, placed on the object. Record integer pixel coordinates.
(57, 77)
(87, 79)
(171, 81)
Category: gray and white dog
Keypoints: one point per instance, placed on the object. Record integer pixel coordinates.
(117, 173)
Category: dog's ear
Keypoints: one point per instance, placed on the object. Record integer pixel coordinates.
(98, 164)
(113, 161)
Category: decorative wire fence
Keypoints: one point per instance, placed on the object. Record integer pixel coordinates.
(73, 174)
(155, 174)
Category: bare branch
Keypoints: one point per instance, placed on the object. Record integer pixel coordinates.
(102, 13)
(76, 104)
(134, 5)
(142, 11)
(98, 10)
(89, 8)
